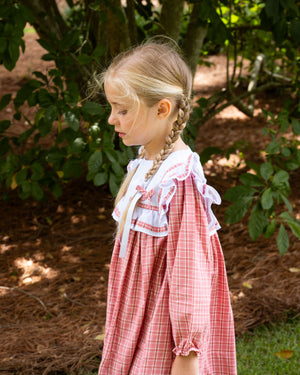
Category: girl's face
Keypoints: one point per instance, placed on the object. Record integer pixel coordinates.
(147, 126)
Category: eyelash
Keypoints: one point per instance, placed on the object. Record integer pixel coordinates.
(122, 112)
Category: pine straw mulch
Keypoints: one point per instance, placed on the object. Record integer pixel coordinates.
(55, 260)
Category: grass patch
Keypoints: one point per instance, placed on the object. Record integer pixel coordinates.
(256, 351)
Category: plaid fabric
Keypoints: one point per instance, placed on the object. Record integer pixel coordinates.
(169, 296)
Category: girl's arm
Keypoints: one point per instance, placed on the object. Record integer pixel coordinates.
(186, 365)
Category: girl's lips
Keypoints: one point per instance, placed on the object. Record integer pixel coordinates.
(121, 135)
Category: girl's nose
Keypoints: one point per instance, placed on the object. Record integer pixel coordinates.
(111, 119)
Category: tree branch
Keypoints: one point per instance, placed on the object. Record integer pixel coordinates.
(170, 18)
(236, 101)
(117, 28)
(194, 38)
(27, 294)
(132, 29)
(47, 18)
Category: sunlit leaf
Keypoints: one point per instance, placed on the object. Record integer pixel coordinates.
(294, 269)
(284, 354)
(100, 337)
(247, 285)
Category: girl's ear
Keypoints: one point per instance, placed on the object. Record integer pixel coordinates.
(164, 108)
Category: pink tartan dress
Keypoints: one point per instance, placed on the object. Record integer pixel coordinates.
(169, 294)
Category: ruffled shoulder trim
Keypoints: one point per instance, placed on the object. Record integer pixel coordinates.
(133, 164)
(180, 171)
(150, 214)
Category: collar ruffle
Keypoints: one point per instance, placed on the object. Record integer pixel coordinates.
(150, 214)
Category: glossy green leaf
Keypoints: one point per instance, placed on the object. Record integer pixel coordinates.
(44, 127)
(257, 222)
(37, 171)
(237, 192)
(72, 118)
(286, 152)
(267, 199)
(270, 229)
(4, 146)
(25, 91)
(95, 161)
(266, 170)
(77, 146)
(25, 190)
(4, 101)
(251, 180)
(36, 191)
(237, 210)
(51, 114)
(4, 124)
(296, 126)
(207, 153)
(293, 223)
(280, 178)
(286, 202)
(273, 147)
(93, 108)
(100, 179)
(84, 59)
(72, 168)
(21, 176)
(117, 169)
(113, 184)
(112, 156)
(56, 190)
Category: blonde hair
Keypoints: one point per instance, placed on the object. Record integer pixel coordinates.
(149, 73)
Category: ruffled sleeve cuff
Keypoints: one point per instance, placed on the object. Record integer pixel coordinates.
(185, 347)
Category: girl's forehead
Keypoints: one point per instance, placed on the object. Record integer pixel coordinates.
(114, 95)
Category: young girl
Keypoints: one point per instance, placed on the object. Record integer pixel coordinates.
(168, 309)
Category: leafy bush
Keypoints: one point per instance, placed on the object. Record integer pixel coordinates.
(267, 187)
(79, 133)
(70, 137)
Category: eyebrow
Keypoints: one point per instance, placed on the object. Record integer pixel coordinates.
(115, 103)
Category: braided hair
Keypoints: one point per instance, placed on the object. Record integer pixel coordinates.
(149, 73)
(177, 128)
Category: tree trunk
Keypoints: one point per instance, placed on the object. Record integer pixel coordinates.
(194, 38)
(117, 28)
(170, 18)
(130, 11)
(48, 20)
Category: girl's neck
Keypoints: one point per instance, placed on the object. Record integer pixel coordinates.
(178, 145)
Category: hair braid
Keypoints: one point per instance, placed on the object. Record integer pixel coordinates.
(178, 126)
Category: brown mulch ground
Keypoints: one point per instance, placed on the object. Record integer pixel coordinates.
(54, 255)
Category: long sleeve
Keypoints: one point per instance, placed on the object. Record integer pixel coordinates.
(190, 270)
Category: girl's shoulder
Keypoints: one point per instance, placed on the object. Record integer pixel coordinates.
(180, 165)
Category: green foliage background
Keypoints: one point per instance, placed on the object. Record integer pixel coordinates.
(87, 34)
